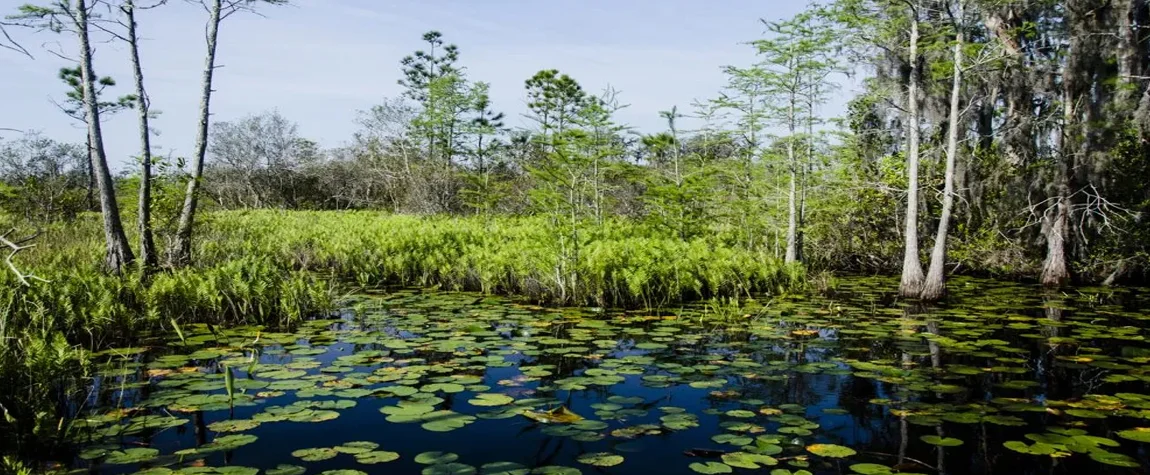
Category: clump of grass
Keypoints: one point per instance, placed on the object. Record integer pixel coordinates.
(619, 263)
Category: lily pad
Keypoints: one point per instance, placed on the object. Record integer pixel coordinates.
(315, 455)
(710, 467)
(436, 458)
(487, 400)
(941, 441)
(374, 457)
(601, 459)
(831, 450)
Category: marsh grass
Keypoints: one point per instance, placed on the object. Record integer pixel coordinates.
(274, 268)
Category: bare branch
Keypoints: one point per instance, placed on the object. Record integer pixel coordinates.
(17, 246)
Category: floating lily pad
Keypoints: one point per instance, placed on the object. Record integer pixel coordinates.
(374, 457)
(436, 457)
(284, 469)
(315, 455)
(133, 455)
(710, 467)
(353, 448)
(941, 441)
(601, 459)
(454, 468)
(1137, 434)
(830, 450)
(485, 400)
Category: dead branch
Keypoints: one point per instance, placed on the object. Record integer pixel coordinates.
(17, 246)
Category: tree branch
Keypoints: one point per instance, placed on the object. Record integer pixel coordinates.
(16, 247)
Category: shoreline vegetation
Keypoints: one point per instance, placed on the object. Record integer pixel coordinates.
(274, 268)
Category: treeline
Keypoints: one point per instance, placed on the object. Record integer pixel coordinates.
(1012, 134)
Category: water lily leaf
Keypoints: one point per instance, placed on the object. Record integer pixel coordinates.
(601, 459)
(733, 439)
(453, 468)
(443, 387)
(133, 455)
(871, 469)
(342, 472)
(487, 400)
(503, 468)
(748, 460)
(710, 467)
(559, 415)
(353, 448)
(445, 421)
(436, 457)
(234, 425)
(1137, 434)
(285, 469)
(830, 450)
(1118, 460)
(556, 470)
(941, 441)
(374, 457)
(315, 455)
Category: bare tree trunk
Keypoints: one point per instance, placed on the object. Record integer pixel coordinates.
(935, 286)
(144, 220)
(183, 253)
(90, 197)
(1056, 225)
(791, 254)
(792, 208)
(911, 283)
(119, 252)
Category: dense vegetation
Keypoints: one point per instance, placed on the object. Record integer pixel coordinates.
(1016, 133)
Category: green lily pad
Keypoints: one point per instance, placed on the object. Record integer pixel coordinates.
(445, 421)
(454, 468)
(710, 467)
(941, 441)
(748, 460)
(353, 448)
(315, 455)
(133, 455)
(1137, 434)
(503, 468)
(487, 400)
(374, 457)
(601, 459)
(235, 425)
(871, 469)
(285, 469)
(436, 457)
(831, 450)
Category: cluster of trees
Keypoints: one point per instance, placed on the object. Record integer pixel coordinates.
(81, 21)
(1016, 131)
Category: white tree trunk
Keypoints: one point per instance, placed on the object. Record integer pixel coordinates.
(911, 283)
(183, 253)
(935, 286)
(119, 252)
(144, 218)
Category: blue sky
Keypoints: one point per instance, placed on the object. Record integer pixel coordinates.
(320, 61)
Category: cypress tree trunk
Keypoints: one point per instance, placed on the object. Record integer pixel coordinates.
(119, 252)
(792, 253)
(182, 255)
(144, 220)
(911, 283)
(935, 285)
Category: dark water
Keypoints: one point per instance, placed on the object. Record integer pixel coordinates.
(1003, 369)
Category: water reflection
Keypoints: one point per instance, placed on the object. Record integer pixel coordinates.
(901, 386)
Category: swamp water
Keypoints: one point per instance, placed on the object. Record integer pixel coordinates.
(1006, 379)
